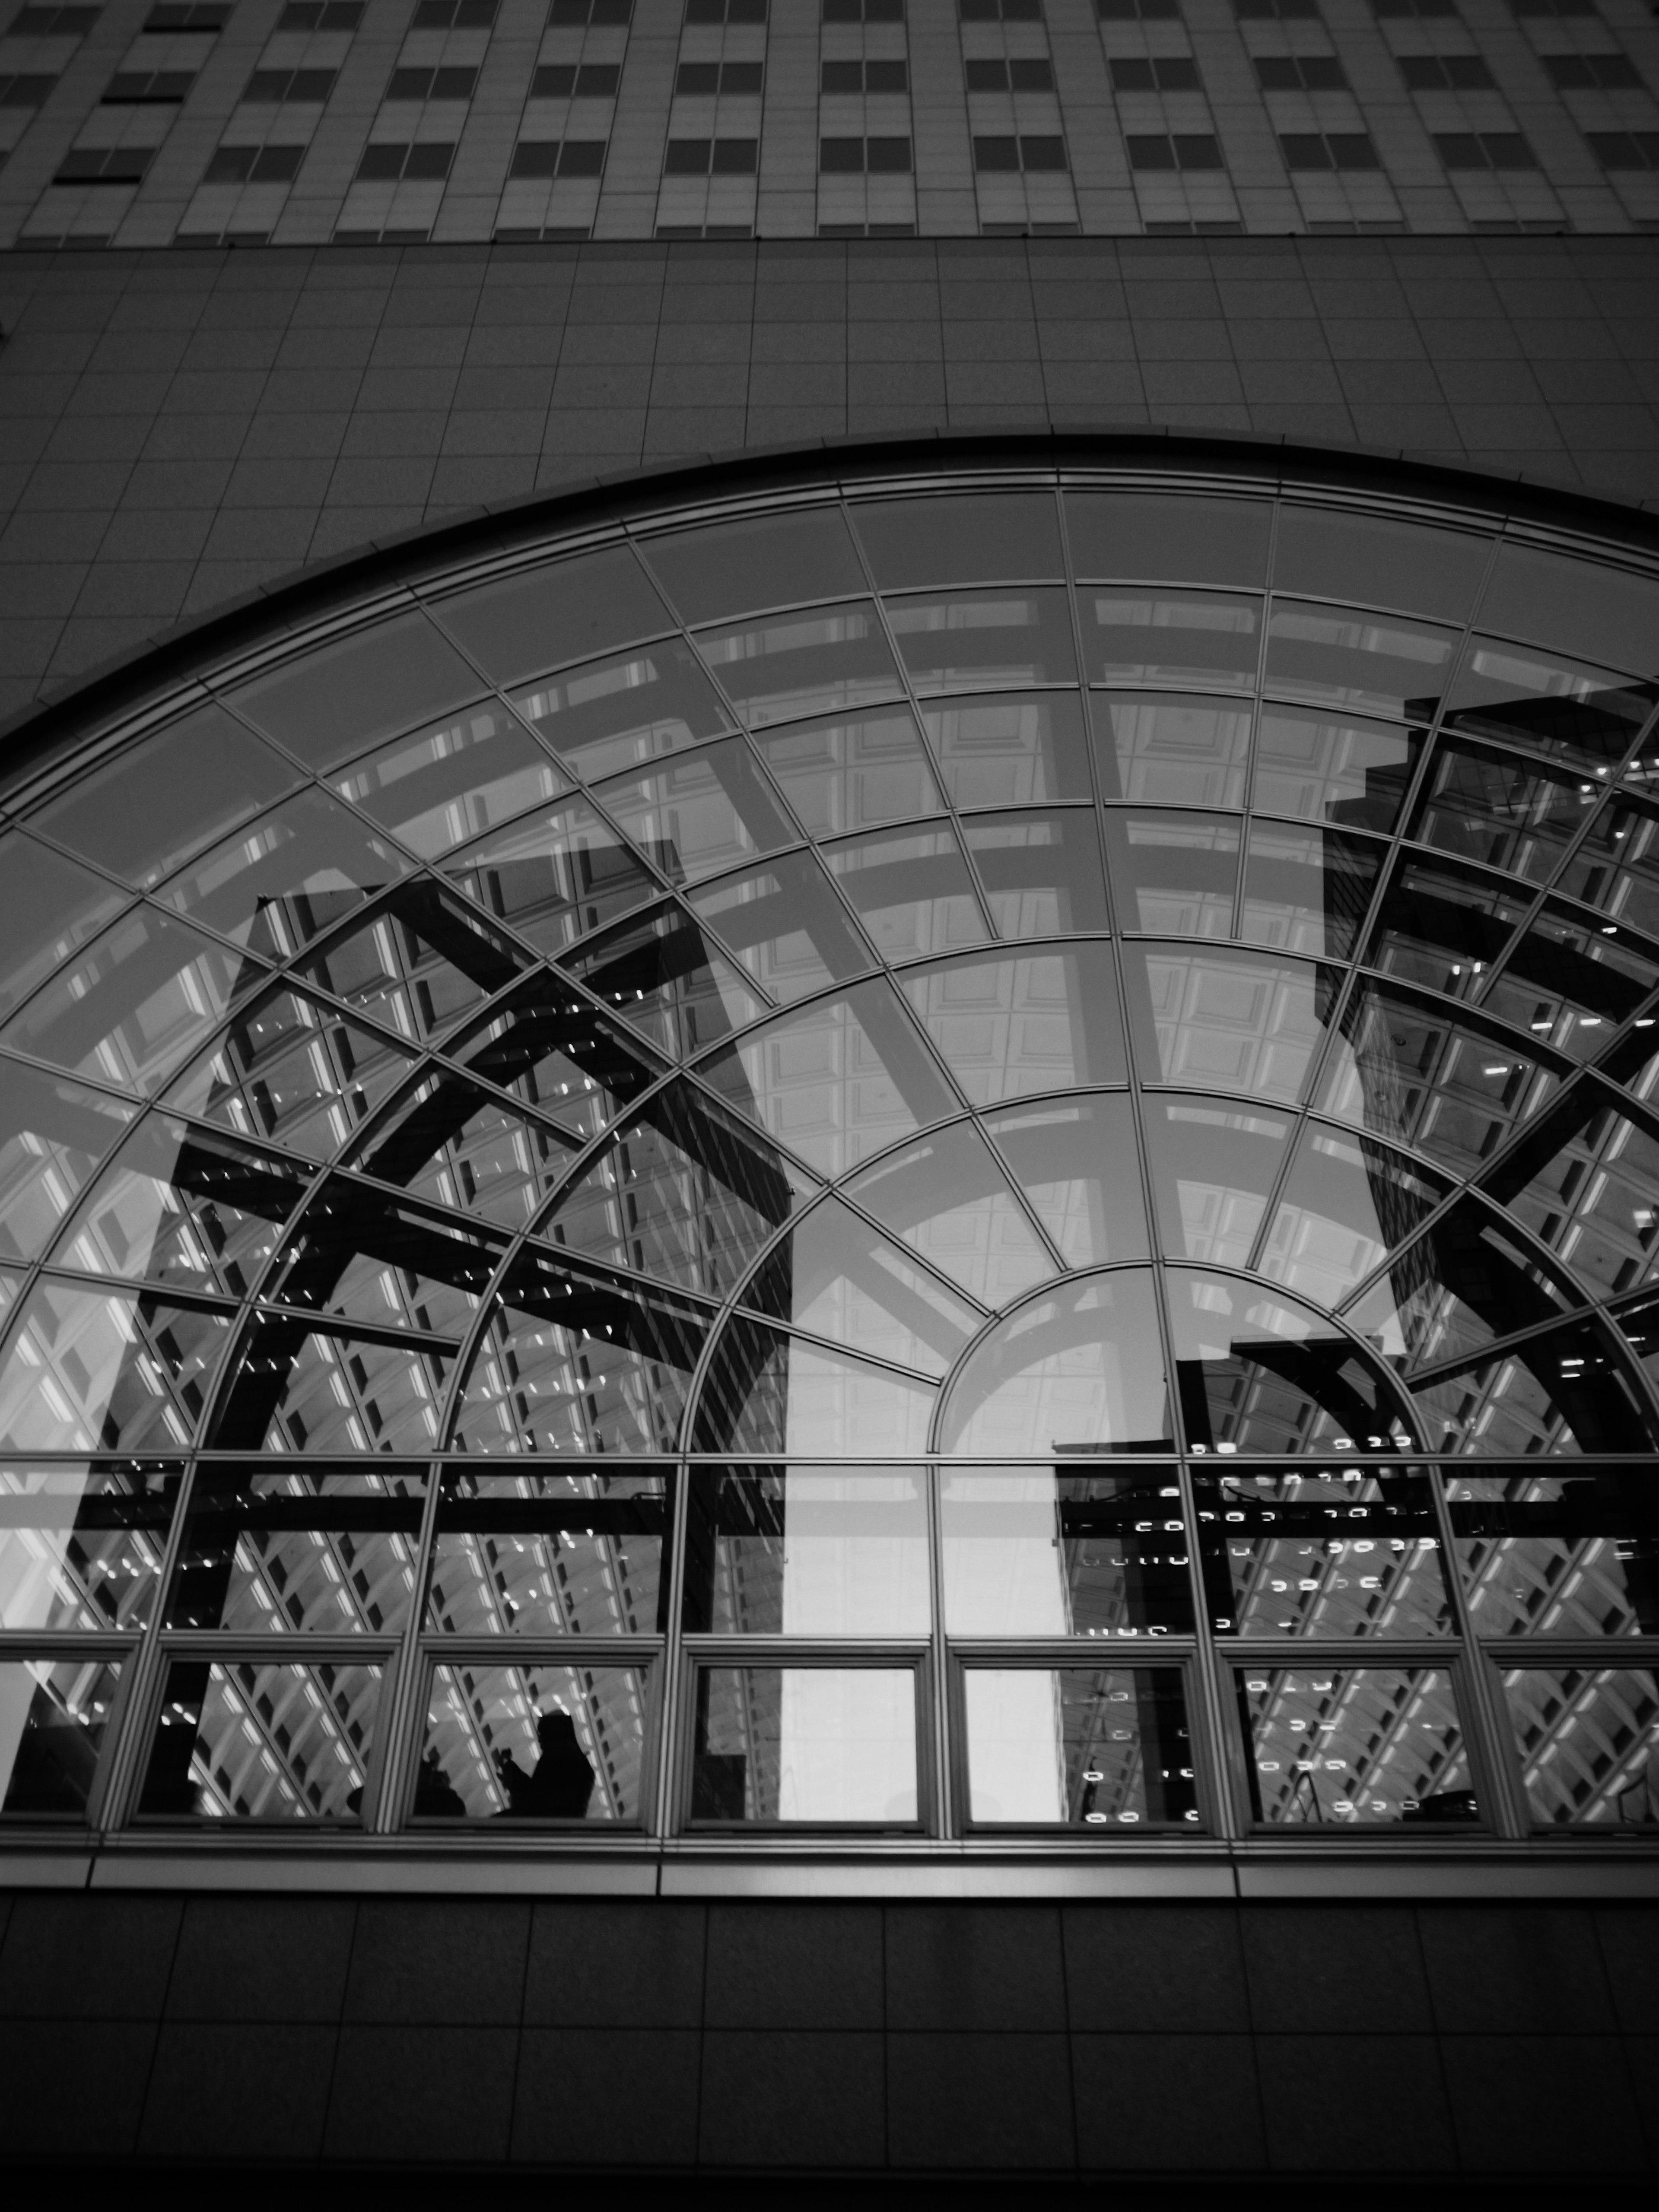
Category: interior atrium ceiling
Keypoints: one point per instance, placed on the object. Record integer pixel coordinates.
(959, 1152)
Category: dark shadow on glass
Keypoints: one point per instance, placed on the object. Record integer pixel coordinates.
(1046, 1552)
(82, 1546)
(54, 1713)
(311, 1551)
(1353, 1551)
(575, 1551)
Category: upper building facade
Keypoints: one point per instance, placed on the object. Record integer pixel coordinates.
(302, 122)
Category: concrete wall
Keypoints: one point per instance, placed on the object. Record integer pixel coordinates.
(177, 428)
(1252, 2041)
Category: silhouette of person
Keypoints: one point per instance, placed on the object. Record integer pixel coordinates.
(436, 1795)
(563, 1783)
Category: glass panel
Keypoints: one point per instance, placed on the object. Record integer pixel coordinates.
(819, 1744)
(659, 974)
(1036, 1551)
(985, 641)
(1587, 1183)
(360, 1254)
(1575, 1553)
(556, 878)
(1090, 1747)
(1257, 1374)
(1442, 926)
(704, 812)
(326, 1554)
(1078, 1370)
(1430, 1078)
(1229, 1021)
(911, 890)
(250, 1739)
(169, 795)
(1581, 715)
(785, 924)
(1308, 890)
(784, 1395)
(92, 1371)
(1616, 869)
(552, 1052)
(730, 568)
(134, 1005)
(1335, 658)
(1009, 751)
(334, 703)
(683, 1193)
(53, 1716)
(1354, 1746)
(835, 1277)
(518, 624)
(1565, 980)
(1352, 775)
(804, 664)
(1461, 1286)
(1181, 638)
(1171, 752)
(1589, 1738)
(840, 1079)
(540, 1742)
(183, 1206)
(48, 909)
(454, 782)
(946, 1197)
(1008, 1027)
(852, 775)
(1212, 1167)
(279, 883)
(960, 541)
(80, 1546)
(327, 1391)
(454, 1145)
(1562, 1392)
(293, 1071)
(613, 714)
(1070, 1160)
(1591, 606)
(1354, 1552)
(1349, 1201)
(1040, 872)
(1507, 812)
(1388, 564)
(1176, 874)
(575, 1362)
(575, 1552)
(52, 1135)
(418, 965)
(1191, 541)
(807, 1551)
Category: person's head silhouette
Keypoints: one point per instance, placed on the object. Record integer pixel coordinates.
(555, 1732)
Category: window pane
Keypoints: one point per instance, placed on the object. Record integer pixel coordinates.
(326, 1391)
(1080, 1370)
(1589, 1738)
(1380, 666)
(86, 1370)
(979, 640)
(453, 1145)
(1563, 1392)
(912, 891)
(1006, 1028)
(553, 877)
(707, 811)
(1227, 1021)
(1354, 1746)
(575, 1553)
(1354, 774)
(1176, 874)
(986, 540)
(1011, 751)
(611, 714)
(1307, 890)
(946, 1197)
(455, 782)
(1353, 1553)
(1212, 1166)
(80, 1544)
(807, 664)
(1041, 872)
(835, 1278)
(54, 1135)
(555, 1056)
(312, 1551)
(806, 1551)
(48, 908)
(293, 1071)
(1174, 637)
(566, 609)
(845, 775)
(1507, 812)
(1348, 1202)
(1091, 1747)
(1188, 541)
(786, 927)
(769, 1393)
(1575, 1553)
(53, 1716)
(1034, 1552)
(249, 1739)
(282, 881)
(819, 1744)
(1171, 752)
(666, 981)
(534, 1743)
(1584, 716)
(1069, 1159)
(1378, 563)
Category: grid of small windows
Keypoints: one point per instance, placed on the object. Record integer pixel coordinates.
(864, 130)
(988, 1174)
(711, 154)
(243, 187)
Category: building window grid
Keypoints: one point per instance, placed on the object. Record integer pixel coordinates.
(1487, 1666)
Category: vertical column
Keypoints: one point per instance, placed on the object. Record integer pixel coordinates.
(947, 205)
(627, 200)
(787, 205)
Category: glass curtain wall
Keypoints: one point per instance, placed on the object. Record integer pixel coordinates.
(966, 1157)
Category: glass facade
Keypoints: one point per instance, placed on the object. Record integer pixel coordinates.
(961, 1158)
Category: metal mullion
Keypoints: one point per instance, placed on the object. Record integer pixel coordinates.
(1246, 804)
(401, 1693)
(1491, 1766)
